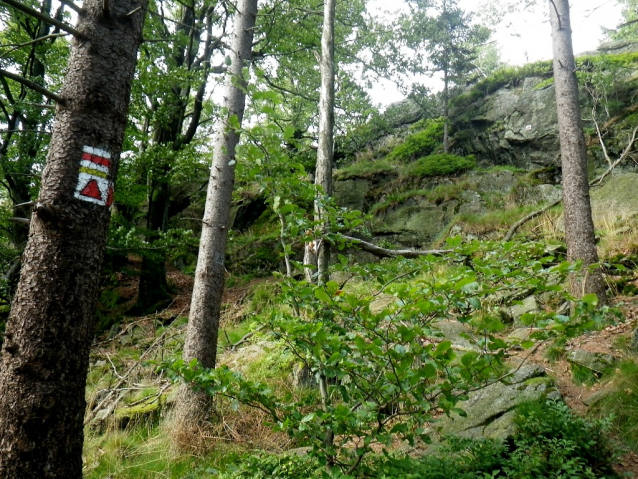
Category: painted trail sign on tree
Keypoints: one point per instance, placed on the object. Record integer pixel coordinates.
(45, 355)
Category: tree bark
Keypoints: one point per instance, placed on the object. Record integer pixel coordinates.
(193, 407)
(44, 359)
(579, 226)
(325, 150)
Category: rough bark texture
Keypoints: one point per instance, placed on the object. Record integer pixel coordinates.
(46, 350)
(192, 408)
(323, 175)
(579, 227)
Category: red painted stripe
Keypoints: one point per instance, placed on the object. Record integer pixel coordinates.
(97, 160)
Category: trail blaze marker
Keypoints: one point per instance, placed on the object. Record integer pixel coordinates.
(93, 181)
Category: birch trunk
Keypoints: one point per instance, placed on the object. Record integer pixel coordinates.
(45, 356)
(193, 407)
(579, 227)
(323, 174)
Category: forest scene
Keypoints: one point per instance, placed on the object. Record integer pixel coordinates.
(223, 254)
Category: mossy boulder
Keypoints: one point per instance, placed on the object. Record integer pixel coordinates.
(491, 410)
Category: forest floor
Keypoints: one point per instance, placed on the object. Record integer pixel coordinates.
(236, 306)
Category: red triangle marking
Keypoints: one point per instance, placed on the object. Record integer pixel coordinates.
(92, 190)
(109, 198)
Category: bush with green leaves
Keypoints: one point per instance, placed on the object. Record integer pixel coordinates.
(438, 165)
(383, 371)
(551, 442)
(620, 399)
(419, 144)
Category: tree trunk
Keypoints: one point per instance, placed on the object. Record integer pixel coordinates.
(46, 350)
(323, 174)
(579, 227)
(446, 108)
(153, 289)
(192, 409)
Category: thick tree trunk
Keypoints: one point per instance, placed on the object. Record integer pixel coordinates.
(45, 354)
(323, 174)
(193, 407)
(579, 227)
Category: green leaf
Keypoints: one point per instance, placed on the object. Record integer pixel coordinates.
(590, 299)
(321, 295)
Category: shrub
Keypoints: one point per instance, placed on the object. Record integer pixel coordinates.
(621, 400)
(438, 165)
(364, 169)
(419, 144)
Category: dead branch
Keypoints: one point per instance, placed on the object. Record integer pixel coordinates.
(43, 17)
(72, 6)
(32, 85)
(37, 40)
(20, 221)
(512, 231)
(391, 253)
(110, 401)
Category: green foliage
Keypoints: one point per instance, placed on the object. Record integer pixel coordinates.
(550, 443)
(379, 381)
(504, 76)
(620, 400)
(420, 144)
(438, 165)
(266, 466)
(365, 169)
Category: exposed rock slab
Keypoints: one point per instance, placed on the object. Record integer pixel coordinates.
(490, 411)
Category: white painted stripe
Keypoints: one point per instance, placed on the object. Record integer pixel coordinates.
(97, 152)
(103, 185)
(94, 166)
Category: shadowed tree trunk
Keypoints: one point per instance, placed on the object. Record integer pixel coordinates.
(579, 227)
(45, 355)
(176, 129)
(193, 407)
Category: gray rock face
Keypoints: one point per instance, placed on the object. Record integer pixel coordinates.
(515, 125)
(596, 362)
(417, 222)
(490, 411)
(528, 305)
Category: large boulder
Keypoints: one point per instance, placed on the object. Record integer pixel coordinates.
(491, 410)
(515, 125)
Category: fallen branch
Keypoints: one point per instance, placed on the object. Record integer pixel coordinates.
(391, 253)
(245, 338)
(110, 401)
(512, 231)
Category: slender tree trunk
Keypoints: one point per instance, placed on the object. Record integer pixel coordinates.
(323, 174)
(446, 109)
(579, 227)
(193, 407)
(46, 350)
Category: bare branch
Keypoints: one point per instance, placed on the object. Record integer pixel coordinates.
(72, 6)
(390, 253)
(33, 85)
(20, 221)
(43, 17)
(46, 37)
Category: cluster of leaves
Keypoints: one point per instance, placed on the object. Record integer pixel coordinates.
(438, 165)
(550, 442)
(382, 371)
